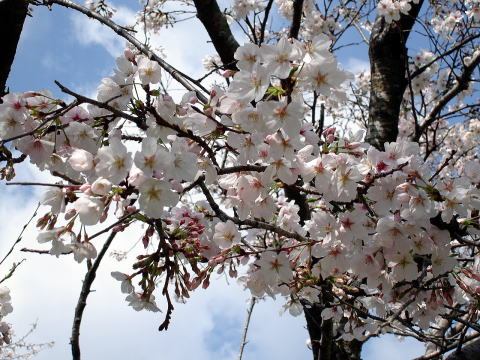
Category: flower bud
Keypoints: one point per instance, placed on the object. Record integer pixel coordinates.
(70, 213)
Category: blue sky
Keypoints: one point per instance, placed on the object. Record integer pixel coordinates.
(60, 45)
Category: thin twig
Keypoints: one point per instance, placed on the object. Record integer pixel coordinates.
(462, 84)
(82, 300)
(245, 328)
(12, 270)
(19, 238)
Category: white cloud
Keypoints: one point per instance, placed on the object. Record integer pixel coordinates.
(89, 31)
(356, 65)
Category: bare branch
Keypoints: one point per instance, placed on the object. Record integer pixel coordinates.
(462, 84)
(253, 300)
(82, 300)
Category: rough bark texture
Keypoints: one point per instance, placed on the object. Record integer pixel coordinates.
(324, 344)
(297, 18)
(217, 27)
(471, 351)
(12, 17)
(388, 64)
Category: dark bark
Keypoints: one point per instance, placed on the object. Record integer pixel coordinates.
(297, 18)
(12, 17)
(471, 351)
(388, 64)
(217, 27)
(82, 299)
(325, 346)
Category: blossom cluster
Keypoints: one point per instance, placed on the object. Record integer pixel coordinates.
(380, 221)
(5, 309)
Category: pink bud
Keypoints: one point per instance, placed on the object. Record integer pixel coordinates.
(181, 111)
(228, 73)
(118, 228)
(208, 111)
(70, 213)
(329, 131)
(176, 185)
(103, 217)
(130, 209)
(150, 231)
(206, 282)
(129, 55)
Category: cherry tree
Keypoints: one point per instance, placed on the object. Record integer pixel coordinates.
(352, 196)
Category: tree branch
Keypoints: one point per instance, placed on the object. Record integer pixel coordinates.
(82, 300)
(122, 32)
(461, 85)
(217, 27)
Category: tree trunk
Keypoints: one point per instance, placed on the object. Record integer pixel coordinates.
(217, 27)
(388, 65)
(12, 17)
(324, 344)
(471, 351)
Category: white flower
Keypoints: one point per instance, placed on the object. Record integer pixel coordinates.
(77, 113)
(281, 114)
(126, 285)
(50, 235)
(114, 162)
(149, 159)
(405, 268)
(154, 196)
(249, 85)
(275, 268)
(280, 57)
(83, 136)
(55, 198)
(323, 76)
(89, 209)
(81, 160)
(5, 306)
(139, 302)
(59, 248)
(226, 235)
(149, 71)
(247, 55)
(11, 122)
(83, 250)
(39, 150)
(101, 186)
